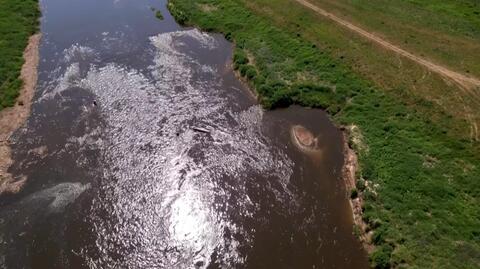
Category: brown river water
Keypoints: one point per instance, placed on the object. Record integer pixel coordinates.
(118, 177)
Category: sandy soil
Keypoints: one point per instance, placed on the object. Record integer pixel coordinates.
(12, 118)
(304, 139)
(349, 170)
(466, 82)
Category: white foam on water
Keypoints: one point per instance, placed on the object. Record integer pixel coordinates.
(165, 201)
(69, 78)
(77, 53)
(71, 57)
(62, 194)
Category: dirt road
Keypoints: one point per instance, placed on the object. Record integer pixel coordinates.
(464, 81)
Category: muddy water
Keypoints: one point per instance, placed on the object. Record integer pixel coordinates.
(121, 177)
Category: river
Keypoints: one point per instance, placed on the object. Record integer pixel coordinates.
(143, 150)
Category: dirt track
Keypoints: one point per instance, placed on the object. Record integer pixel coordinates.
(464, 81)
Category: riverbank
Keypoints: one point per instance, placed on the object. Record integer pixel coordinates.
(420, 204)
(307, 143)
(18, 76)
(355, 195)
(20, 20)
(12, 118)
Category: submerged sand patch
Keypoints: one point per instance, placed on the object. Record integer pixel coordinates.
(304, 139)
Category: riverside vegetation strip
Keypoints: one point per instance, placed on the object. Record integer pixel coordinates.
(18, 77)
(18, 21)
(418, 174)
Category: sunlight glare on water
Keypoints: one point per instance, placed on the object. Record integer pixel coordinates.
(160, 197)
(119, 175)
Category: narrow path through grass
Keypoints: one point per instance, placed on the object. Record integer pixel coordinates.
(465, 82)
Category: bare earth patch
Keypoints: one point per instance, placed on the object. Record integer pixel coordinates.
(207, 8)
(13, 117)
(350, 166)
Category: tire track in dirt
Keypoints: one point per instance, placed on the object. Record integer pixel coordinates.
(467, 83)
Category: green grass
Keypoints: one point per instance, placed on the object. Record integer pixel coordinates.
(395, 75)
(443, 30)
(423, 207)
(18, 21)
(159, 15)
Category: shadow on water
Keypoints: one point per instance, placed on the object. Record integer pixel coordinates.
(119, 175)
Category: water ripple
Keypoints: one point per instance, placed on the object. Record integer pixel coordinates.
(171, 196)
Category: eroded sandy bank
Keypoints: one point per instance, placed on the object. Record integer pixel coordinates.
(350, 166)
(13, 117)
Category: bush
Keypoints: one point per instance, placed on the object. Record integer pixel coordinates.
(309, 87)
(240, 57)
(333, 109)
(281, 98)
(178, 14)
(381, 257)
(248, 71)
(243, 69)
(251, 72)
(379, 235)
(361, 185)
(354, 193)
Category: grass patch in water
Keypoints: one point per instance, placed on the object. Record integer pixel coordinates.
(423, 216)
(159, 15)
(18, 21)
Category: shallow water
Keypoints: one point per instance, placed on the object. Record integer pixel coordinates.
(124, 180)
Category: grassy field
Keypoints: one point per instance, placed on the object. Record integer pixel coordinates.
(416, 154)
(389, 72)
(447, 31)
(18, 21)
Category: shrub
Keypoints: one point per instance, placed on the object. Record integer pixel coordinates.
(354, 193)
(251, 73)
(381, 257)
(178, 14)
(361, 185)
(243, 69)
(281, 98)
(240, 57)
(159, 15)
(379, 235)
(333, 109)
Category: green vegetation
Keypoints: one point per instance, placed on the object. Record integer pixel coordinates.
(18, 21)
(441, 29)
(419, 173)
(159, 15)
(178, 14)
(354, 193)
(387, 71)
